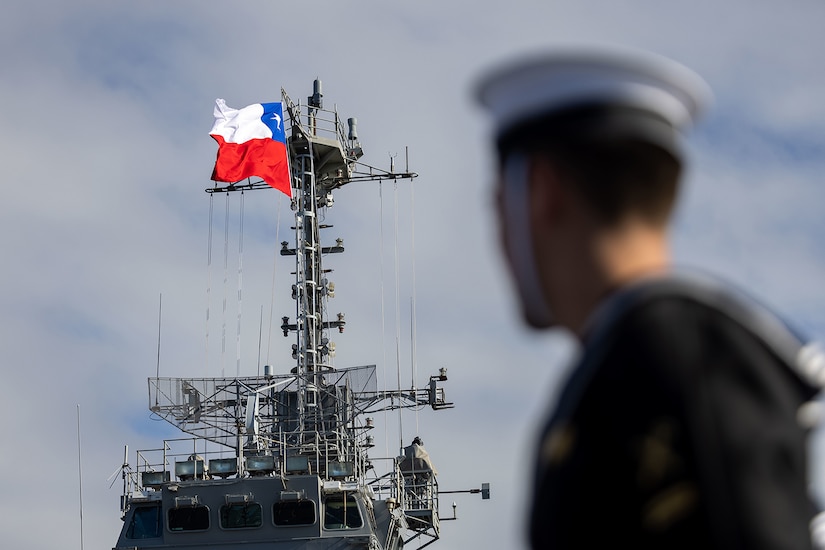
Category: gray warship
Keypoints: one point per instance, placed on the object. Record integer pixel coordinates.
(282, 460)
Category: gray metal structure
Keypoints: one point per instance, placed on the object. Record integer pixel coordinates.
(282, 460)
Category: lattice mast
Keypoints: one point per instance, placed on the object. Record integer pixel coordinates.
(321, 158)
(313, 411)
(311, 420)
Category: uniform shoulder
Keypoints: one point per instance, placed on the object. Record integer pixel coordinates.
(699, 320)
(684, 299)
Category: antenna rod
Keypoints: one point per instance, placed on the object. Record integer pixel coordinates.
(157, 368)
(160, 318)
(260, 338)
(79, 476)
(123, 473)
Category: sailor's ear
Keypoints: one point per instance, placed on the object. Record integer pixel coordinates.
(548, 194)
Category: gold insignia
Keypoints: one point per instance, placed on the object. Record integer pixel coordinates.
(669, 506)
(557, 445)
(656, 455)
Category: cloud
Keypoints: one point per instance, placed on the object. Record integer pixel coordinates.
(106, 111)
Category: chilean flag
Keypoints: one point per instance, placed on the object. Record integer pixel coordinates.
(251, 142)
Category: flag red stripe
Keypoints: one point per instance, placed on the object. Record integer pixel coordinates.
(265, 158)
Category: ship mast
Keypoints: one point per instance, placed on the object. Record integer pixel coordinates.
(323, 157)
(308, 423)
(310, 150)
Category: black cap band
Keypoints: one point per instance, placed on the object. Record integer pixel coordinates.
(591, 123)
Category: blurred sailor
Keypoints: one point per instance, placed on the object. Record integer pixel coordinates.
(417, 459)
(679, 426)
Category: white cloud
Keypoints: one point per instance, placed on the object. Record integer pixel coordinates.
(106, 155)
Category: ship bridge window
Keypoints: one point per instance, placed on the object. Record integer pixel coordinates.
(189, 518)
(341, 512)
(293, 512)
(241, 516)
(146, 523)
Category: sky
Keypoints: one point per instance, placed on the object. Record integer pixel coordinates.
(106, 153)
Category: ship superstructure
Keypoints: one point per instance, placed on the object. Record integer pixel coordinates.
(283, 460)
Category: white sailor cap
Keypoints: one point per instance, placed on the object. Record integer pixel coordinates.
(595, 94)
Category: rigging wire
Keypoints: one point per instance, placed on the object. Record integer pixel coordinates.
(240, 285)
(413, 300)
(383, 309)
(272, 291)
(397, 311)
(208, 281)
(225, 285)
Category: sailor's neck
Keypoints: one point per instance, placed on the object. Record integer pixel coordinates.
(612, 261)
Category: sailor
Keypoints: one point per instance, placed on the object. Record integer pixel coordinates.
(678, 427)
(417, 459)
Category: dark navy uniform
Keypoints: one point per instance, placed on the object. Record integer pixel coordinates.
(678, 429)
